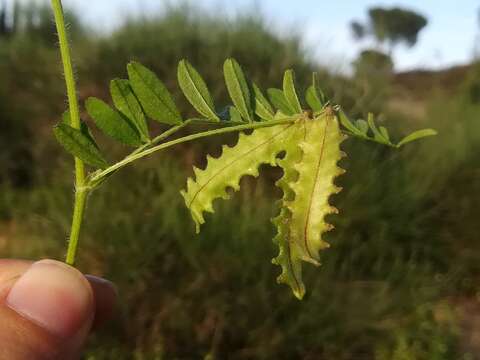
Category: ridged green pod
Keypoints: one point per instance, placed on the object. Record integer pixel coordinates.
(316, 172)
(251, 151)
(288, 257)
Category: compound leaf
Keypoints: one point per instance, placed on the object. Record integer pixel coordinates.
(112, 123)
(127, 103)
(153, 95)
(238, 88)
(195, 90)
(79, 145)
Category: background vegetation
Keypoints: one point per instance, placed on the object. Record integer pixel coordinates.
(401, 280)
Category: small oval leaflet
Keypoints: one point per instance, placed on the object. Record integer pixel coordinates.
(156, 100)
(196, 90)
(262, 107)
(112, 123)
(127, 103)
(290, 92)
(79, 145)
(238, 88)
(279, 101)
(417, 135)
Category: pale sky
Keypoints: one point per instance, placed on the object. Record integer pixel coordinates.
(448, 39)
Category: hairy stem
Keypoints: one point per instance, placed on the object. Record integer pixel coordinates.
(80, 192)
(99, 176)
(79, 208)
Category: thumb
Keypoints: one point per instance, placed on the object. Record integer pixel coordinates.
(46, 310)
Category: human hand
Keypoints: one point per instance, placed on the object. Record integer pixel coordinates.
(47, 309)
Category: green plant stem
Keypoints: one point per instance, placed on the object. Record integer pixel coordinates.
(161, 137)
(367, 138)
(79, 208)
(174, 130)
(80, 191)
(99, 176)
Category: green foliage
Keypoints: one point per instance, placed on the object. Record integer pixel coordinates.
(127, 103)
(79, 145)
(380, 135)
(238, 88)
(262, 107)
(153, 95)
(280, 102)
(112, 123)
(290, 92)
(314, 95)
(196, 91)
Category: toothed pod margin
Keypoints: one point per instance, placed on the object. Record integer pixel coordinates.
(288, 258)
(317, 170)
(312, 150)
(262, 146)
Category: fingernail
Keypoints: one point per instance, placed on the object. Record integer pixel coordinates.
(53, 295)
(105, 295)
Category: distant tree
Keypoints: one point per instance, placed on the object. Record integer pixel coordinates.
(392, 26)
(373, 61)
(358, 30)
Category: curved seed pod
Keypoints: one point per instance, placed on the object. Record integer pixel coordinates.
(288, 257)
(316, 172)
(251, 151)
